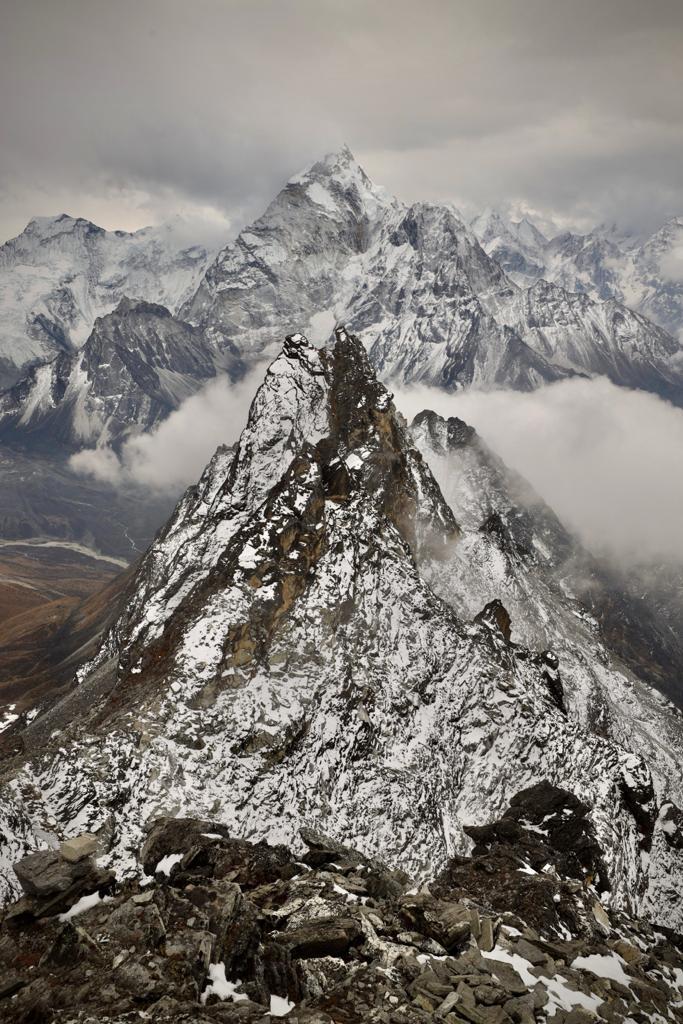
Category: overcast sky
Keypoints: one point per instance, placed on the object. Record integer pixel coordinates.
(126, 111)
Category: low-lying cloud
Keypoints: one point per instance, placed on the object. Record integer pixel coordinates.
(609, 461)
(671, 264)
(175, 454)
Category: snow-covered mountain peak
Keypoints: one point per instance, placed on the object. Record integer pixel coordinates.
(68, 240)
(338, 180)
(516, 245)
(528, 233)
(330, 398)
(490, 224)
(340, 164)
(63, 223)
(62, 272)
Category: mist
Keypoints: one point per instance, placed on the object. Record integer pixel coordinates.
(174, 454)
(609, 461)
(128, 112)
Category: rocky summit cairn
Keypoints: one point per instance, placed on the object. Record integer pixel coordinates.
(221, 929)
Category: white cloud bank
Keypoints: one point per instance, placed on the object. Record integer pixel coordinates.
(175, 454)
(608, 461)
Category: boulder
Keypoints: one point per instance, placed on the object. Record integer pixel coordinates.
(325, 936)
(44, 873)
(208, 851)
(55, 884)
(73, 850)
(446, 922)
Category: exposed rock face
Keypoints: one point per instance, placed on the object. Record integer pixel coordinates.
(227, 930)
(138, 364)
(431, 305)
(281, 660)
(61, 273)
(517, 246)
(54, 881)
(76, 849)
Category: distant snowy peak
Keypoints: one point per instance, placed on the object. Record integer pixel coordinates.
(432, 305)
(646, 276)
(490, 225)
(516, 245)
(337, 180)
(300, 260)
(62, 272)
(138, 364)
(41, 233)
(528, 233)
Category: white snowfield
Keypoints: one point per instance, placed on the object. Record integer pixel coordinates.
(430, 303)
(645, 274)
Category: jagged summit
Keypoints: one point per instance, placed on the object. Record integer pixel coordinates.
(335, 181)
(337, 162)
(529, 233)
(46, 226)
(280, 659)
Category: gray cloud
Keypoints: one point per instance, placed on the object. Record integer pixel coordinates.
(607, 460)
(127, 111)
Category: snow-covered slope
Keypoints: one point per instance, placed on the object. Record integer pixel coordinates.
(431, 304)
(138, 364)
(514, 549)
(518, 246)
(645, 275)
(61, 273)
(281, 659)
(575, 332)
(298, 263)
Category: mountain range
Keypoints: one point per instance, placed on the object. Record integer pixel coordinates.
(432, 304)
(644, 274)
(61, 273)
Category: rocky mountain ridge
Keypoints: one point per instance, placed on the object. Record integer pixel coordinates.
(280, 659)
(431, 305)
(644, 274)
(220, 929)
(61, 273)
(138, 364)
(514, 548)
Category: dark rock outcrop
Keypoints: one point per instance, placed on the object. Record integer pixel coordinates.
(234, 931)
(52, 882)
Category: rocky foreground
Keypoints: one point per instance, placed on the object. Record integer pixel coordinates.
(220, 929)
